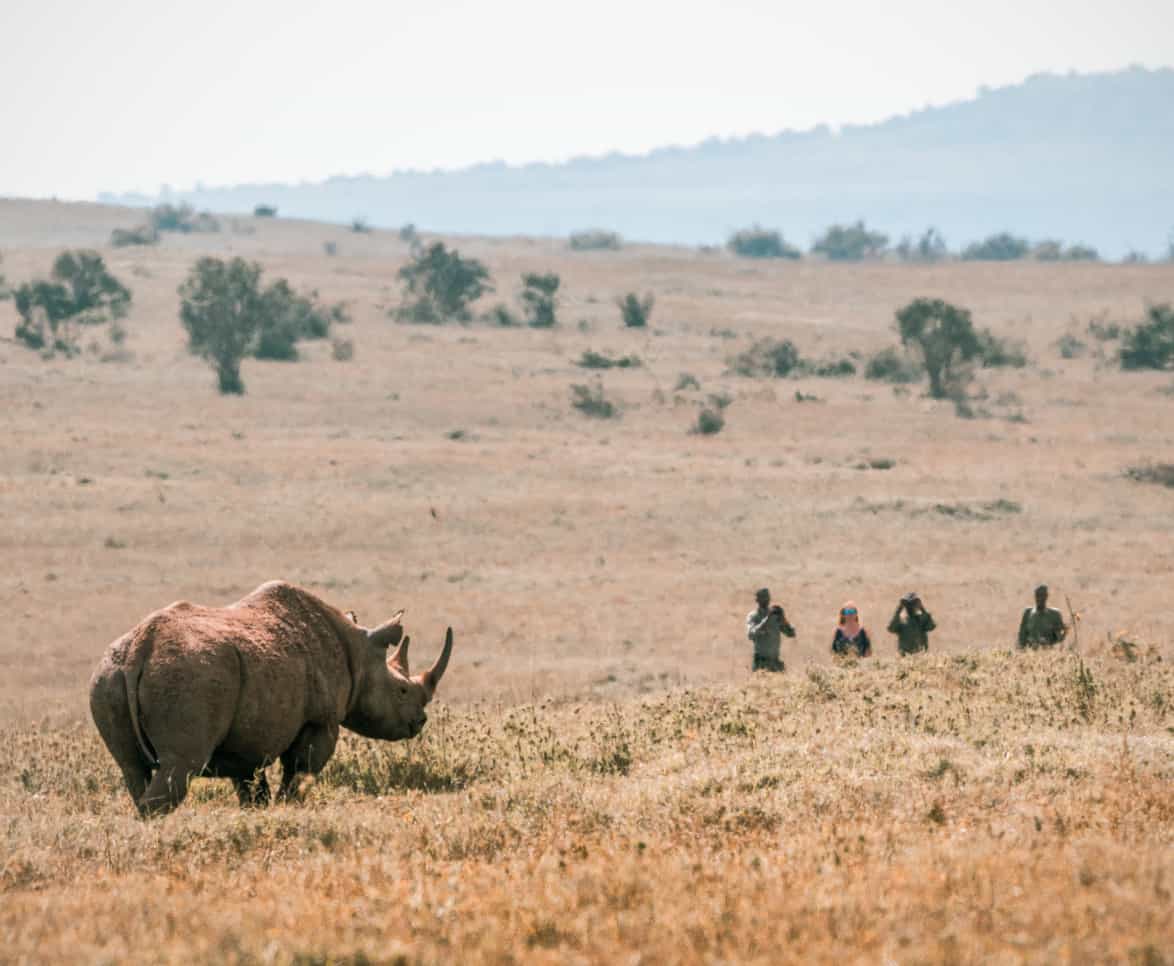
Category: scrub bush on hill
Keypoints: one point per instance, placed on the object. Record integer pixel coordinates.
(851, 243)
(81, 292)
(594, 239)
(439, 285)
(636, 311)
(1150, 344)
(759, 242)
(929, 248)
(182, 219)
(1003, 247)
(540, 299)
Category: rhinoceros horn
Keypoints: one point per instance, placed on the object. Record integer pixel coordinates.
(399, 657)
(431, 678)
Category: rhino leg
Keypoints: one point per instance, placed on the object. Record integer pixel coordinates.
(253, 791)
(168, 788)
(108, 705)
(309, 753)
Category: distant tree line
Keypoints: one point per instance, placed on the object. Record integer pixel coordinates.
(856, 242)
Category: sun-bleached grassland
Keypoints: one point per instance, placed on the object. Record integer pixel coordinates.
(593, 571)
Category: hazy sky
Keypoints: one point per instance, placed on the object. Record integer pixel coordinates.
(130, 94)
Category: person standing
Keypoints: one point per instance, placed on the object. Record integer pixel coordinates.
(765, 626)
(1041, 625)
(851, 639)
(911, 623)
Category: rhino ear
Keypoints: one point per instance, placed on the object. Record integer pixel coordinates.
(399, 657)
(387, 633)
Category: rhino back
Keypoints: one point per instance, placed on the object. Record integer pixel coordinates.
(243, 679)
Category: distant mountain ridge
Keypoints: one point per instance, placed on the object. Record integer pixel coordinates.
(1083, 158)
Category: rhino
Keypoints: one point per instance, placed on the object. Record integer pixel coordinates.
(225, 691)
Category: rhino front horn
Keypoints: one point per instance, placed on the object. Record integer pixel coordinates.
(431, 678)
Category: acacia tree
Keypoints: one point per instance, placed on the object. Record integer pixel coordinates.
(440, 285)
(944, 335)
(81, 292)
(221, 308)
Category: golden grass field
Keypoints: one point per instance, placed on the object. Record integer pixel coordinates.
(601, 781)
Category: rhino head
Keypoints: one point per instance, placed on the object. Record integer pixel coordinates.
(389, 703)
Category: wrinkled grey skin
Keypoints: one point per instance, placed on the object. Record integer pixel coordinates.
(225, 691)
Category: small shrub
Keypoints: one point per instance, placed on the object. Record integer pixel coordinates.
(330, 248)
(686, 381)
(1070, 346)
(720, 400)
(930, 247)
(287, 318)
(995, 353)
(5, 294)
(342, 350)
(767, 357)
(181, 218)
(439, 285)
(892, 365)
(709, 422)
(590, 359)
(944, 335)
(501, 315)
(1082, 253)
(264, 211)
(126, 237)
(830, 368)
(1150, 344)
(360, 226)
(594, 239)
(590, 401)
(540, 299)
(407, 233)
(635, 311)
(759, 242)
(1003, 247)
(1160, 473)
(851, 243)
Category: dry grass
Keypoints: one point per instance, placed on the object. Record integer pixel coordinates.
(571, 799)
(996, 807)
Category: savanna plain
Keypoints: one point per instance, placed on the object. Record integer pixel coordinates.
(601, 780)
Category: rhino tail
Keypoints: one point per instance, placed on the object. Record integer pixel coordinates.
(131, 676)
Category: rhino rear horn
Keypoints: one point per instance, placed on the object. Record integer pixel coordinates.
(387, 633)
(431, 678)
(399, 657)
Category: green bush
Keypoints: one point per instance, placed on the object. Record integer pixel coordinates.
(141, 235)
(686, 380)
(540, 299)
(5, 294)
(996, 353)
(759, 242)
(501, 315)
(945, 337)
(590, 401)
(360, 226)
(892, 365)
(1150, 344)
(264, 211)
(1051, 250)
(635, 311)
(181, 218)
(82, 292)
(594, 239)
(930, 247)
(851, 243)
(709, 422)
(287, 318)
(1070, 346)
(439, 285)
(1002, 247)
(590, 359)
(768, 357)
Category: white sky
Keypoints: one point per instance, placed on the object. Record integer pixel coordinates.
(131, 94)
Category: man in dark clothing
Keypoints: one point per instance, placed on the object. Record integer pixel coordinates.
(764, 626)
(911, 623)
(1041, 625)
